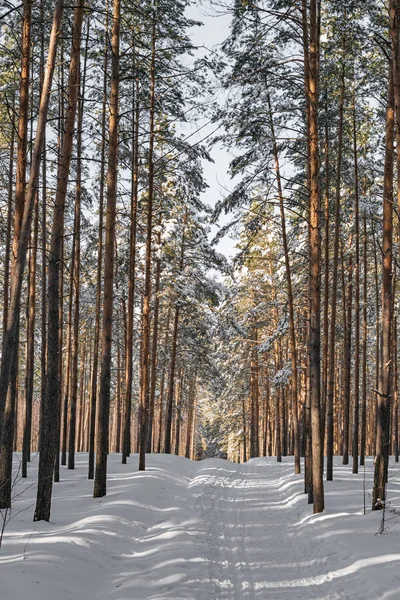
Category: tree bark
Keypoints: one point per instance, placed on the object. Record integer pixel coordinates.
(364, 351)
(7, 439)
(77, 267)
(396, 86)
(332, 334)
(356, 428)
(315, 270)
(126, 445)
(384, 392)
(161, 397)
(7, 253)
(154, 345)
(100, 482)
(94, 378)
(30, 353)
(171, 383)
(292, 329)
(326, 285)
(145, 356)
(347, 307)
(50, 409)
(254, 429)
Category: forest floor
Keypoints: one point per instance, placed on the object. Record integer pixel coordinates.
(209, 530)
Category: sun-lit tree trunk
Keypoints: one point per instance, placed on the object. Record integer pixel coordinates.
(145, 355)
(179, 399)
(116, 434)
(356, 428)
(60, 362)
(190, 417)
(335, 263)
(377, 335)
(77, 267)
(395, 402)
(154, 345)
(244, 427)
(30, 351)
(326, 283)
(385, 384)
(6, 440)
(254, 400)
(307, 404)
(396, 88)
(292, 329)
(162, 384)
(94, 378)
(67, 373)
(43, 295)
(103, 416)
(171, 382)
(315, 270)
(126, 444)
(364, 349)
(48, 442)
(266, 415)
(396, 416)
(80, 413)
(7, 252)
(347, 319)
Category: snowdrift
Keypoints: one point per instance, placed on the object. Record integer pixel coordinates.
(200, 531)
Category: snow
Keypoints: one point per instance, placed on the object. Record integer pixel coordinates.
(208, 530)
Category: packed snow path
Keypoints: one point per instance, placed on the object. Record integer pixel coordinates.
(211, 530)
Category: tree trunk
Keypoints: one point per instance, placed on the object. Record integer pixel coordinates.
(254, 441)
(7, 253)
(315, 269)
(100, 483)
(307, 428)
(7, 437)
(396, 85)
(364, 352)
(154, 345)
(347, 307)
(292, 329)
(43, 323)
(11, 337)
(356, 427)
(126, 445)
(50, 409)
(244, 428)
(171, 383)
(332, 335)
(384, 392)
(81, 399)
(179, 399)
(77, 267)
(93, 383)
(190, 417)
(145, 356)
(161, 397)
(60, 436)
(326, 285)
(30, 354)
(67, 378)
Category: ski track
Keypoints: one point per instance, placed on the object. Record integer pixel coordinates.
(228, 562)
(209, 530)
(241, 566)
(260, 546)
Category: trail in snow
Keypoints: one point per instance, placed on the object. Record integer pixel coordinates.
(211, 530)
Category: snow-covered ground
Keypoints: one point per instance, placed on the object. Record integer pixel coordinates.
(205, 530)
